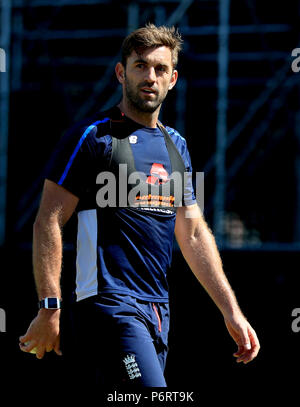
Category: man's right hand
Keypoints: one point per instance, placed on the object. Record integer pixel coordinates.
(43, 333)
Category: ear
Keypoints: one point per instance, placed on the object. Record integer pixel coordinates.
(173, 79)
(120, 72)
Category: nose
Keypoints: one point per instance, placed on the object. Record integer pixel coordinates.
(150, 74)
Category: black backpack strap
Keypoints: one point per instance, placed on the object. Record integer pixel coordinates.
(177, 163)
(122, 154)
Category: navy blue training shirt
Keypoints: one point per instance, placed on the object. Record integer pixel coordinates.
(123, 250)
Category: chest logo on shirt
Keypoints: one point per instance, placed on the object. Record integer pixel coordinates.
(158, 175)
(133, 139)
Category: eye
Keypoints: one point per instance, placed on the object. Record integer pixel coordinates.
(161, 68)
(140, 65)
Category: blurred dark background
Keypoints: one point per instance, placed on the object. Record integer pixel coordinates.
(237, 104)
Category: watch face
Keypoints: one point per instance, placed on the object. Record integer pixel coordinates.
(52, 303)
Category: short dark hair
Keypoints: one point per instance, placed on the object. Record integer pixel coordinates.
(152, 36)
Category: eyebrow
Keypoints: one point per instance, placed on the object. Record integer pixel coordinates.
(140, 61)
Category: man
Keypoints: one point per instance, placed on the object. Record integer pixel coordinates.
(124, 251)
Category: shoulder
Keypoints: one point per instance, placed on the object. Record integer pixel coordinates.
(177, 138)
(90, 126)
(88, 133)
(181, 144)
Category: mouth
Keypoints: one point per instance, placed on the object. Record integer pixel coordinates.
(148, 91)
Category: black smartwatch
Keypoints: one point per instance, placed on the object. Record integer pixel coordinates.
(50, 303)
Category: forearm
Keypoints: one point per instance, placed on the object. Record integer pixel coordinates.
(47, 258)
(56, 208)
(199, 248)
(202, 255)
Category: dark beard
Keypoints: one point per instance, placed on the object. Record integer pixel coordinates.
(140, 104)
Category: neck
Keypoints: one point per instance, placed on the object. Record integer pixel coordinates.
(144, 118)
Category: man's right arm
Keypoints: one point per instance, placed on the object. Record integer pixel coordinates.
(57, 206)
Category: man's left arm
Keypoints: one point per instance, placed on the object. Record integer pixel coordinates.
(200, 251)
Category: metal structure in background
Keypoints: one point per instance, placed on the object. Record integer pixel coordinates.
(5, 36)
(165, 12)
(221, 131)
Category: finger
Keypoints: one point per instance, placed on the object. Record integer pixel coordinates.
(255, 346)
(27, 346)
(40, 352)
(49, 348)
(243, 357)
(239, 351)
(57, 348)
(22, 346)
(247, 358)
(252, 355)
(245, 341)
(249, 355)
(254, 340)
(24, 338)
(243, 348)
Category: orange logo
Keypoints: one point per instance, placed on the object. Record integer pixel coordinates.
(158, 175)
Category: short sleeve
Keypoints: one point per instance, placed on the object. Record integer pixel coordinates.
(72, 163)
(189, 197)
